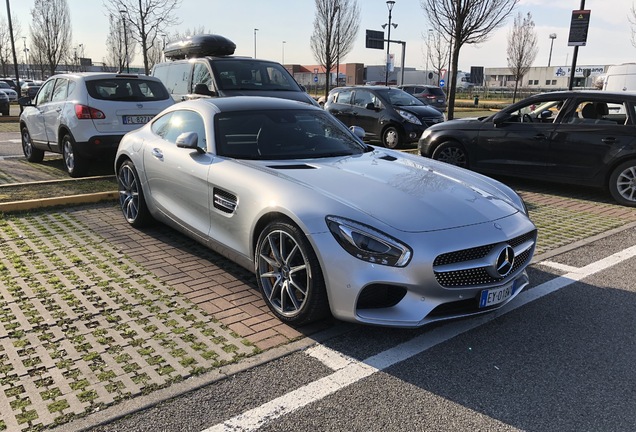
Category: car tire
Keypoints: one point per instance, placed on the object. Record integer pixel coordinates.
(391, 137)
(76, 166)
(622, 183)
(452, 153)
(31, 153)
(131, 196)
(289, 275)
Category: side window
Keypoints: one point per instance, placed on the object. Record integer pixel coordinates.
(363, 98)
(344, 97)
(59, 93)
(44, 95)
(176, 78)
(201, 75)
(160, 125)
(606, 112)
(537, 112)
(180, 122)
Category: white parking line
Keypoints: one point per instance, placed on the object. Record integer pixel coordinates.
(349, 371)
(559, 266)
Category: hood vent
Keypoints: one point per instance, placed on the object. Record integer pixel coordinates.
(292, 166)
(224, 201)
(388, 158)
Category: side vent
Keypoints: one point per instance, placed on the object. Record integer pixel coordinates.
(388, 158)
(224, 201)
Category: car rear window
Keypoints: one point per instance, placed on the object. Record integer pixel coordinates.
(436, 91)
(127, 89)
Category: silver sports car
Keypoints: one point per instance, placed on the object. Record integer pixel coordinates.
(326, 222)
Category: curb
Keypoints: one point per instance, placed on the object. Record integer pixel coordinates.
(17, 206)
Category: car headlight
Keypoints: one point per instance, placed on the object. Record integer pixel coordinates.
(409, 117)
(425, 134)
(368, 244)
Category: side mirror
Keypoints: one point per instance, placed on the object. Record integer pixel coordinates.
(203, 90)
(25, 101)
(358, 131)
(189, 140)
(546, 114)
(370, 106)
(501, 117)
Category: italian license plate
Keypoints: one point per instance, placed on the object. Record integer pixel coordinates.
(136, 119)
(495, 296)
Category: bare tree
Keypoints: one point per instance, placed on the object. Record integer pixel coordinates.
(148, 19)
(438, 53)
(522, 48)
(336, 25)
(465, 22)
(6, 54)
(632, 20)
(50, 32)
(115, 43)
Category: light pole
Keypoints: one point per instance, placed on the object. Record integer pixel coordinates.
(255, 30)
(428, 53)
(389, 5)
(553, 37)
(283, 62)
(338, 45)
(123, 13)
(26, 57)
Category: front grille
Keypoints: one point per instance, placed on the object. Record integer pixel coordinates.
(479, 276)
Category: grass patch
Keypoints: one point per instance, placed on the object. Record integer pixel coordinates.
(23, 192)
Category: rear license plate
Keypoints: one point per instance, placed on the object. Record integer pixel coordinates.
(136, 119)
(495, 296)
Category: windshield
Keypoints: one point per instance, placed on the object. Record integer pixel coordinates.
(252, 75)
(283, 134)
(398, 97)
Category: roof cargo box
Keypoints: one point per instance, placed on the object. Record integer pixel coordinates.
(199, 46)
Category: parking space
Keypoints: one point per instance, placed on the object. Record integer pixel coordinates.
(96, 312)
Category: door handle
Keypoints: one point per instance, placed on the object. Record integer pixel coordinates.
(609, 140)
(157, 153)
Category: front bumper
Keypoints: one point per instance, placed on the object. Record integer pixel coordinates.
(413, 296)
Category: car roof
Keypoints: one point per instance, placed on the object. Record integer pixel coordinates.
(102, 75)
(247, 103)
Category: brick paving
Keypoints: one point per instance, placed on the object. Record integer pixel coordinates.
(93, 311)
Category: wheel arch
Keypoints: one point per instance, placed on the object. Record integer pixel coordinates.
(614, 165)
(265, 220)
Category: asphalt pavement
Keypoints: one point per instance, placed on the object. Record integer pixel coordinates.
(98, 319)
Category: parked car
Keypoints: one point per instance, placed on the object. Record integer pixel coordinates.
(203, 66)
(11, 83)
(12, 94)
(428, 94)
(83, 116)
(580, 137)
(327, 222)
(387, 114)
(4, 104)
(30, 88)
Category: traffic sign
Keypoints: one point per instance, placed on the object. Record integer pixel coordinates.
(315, 79)
(441, 83)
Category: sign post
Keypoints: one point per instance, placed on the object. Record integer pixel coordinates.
(578, 35)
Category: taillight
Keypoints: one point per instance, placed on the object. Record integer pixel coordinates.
(86, 112)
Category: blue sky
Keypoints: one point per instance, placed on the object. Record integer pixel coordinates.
(292, 21)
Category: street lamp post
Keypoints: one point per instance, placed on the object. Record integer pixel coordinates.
(283, 62)
(338, 46)
(552, 37)
(428, 53)
(255, 30)
(123, 13)
(26, 57)
(389, 5)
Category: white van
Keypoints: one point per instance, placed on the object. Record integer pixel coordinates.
(620, 77)
(203, 66)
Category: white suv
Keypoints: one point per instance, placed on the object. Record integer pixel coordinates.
(83, 116)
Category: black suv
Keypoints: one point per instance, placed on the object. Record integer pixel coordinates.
(429, 94)
(387, 114)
